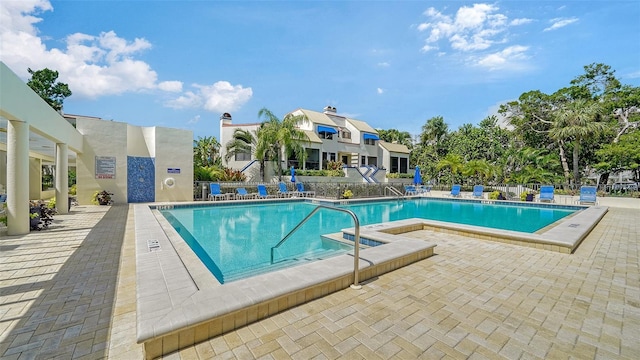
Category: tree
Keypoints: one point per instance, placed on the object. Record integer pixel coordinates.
(621, 156)
(395, 136)
(246, 142)
(206, 152)
(576, 122)
(454, 163)
(282, 136)
(43, 82)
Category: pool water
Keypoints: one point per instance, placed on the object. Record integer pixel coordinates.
(234, 241)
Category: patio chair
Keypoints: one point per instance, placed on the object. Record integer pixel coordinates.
(241, 193)
(3, 200)
(424, 189)
(546, 193)
(410, 190)
(303, 192)
(284, 192)
(455, 190)
(478, 192)
(262, 192)
(216, 194)
(588, 195)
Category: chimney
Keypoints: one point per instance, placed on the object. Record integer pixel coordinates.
(225, 119)
(329, 109)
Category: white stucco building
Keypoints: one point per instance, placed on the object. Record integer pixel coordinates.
(136, 164)
(331, 137)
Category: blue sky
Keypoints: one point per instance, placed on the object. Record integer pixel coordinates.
(393, 64)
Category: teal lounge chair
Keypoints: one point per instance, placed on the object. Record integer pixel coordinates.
(588, 195)
(455, 190)
(241, 193)
(546, 193)
(303, 192)
(283, 192)
(262, 192)
(478, 192)
(216, 194)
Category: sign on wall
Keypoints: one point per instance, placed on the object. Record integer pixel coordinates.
(105, 167)
(173, 170)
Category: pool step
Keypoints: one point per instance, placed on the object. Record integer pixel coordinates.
(284, 263)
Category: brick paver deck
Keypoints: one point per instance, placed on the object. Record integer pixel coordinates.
(474, 299)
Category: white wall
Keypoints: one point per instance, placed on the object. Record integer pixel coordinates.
(173, 150)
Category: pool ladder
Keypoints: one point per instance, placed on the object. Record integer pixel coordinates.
(356, 239)
(394, 191)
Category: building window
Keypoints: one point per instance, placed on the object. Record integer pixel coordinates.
(394, 164)
(363, 160)
(404, 165)
(369, 142)
(345, 134)
(243, 156)
(373, 161)
(325, 135)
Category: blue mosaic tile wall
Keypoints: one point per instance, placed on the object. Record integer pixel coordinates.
(141, 179)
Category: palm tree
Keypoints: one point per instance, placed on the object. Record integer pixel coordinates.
(246, 142)
(479, 169)
(206, 152)
(576, 122)
(281, 137)
(452, 161)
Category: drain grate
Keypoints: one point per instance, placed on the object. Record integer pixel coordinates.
(154, 245)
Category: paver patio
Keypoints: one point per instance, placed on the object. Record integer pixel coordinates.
(69, 292)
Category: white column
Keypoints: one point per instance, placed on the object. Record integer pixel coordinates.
(62, 178)
(17, 177)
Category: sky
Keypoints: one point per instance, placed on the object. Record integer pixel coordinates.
(393, 64)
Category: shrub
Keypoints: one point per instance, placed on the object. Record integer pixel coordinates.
(494, 195)
(73, 190)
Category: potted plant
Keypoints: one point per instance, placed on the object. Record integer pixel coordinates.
(34, 219)
(101, 197)
(347, 194)
(527, 196)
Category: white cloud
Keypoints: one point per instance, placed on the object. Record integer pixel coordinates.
(560, 23)
(384, 64)
(473, 27)
(522, 21)
(194, 120)
(170, 86)
(508, 58)
(92, 65)
(380, 90)
(219, 97)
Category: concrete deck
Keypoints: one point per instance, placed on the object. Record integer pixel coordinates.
(68, 292)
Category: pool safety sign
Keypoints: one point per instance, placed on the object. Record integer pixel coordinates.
(173, 170)
(105, 167)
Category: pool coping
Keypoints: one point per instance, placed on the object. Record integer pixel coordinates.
(179, 302)
(564, 236)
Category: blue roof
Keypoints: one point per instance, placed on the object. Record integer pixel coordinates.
(327, 129)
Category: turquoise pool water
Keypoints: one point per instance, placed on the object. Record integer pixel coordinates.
(235, 240)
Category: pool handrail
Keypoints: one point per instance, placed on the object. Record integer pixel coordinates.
(394, 191)
(356, 239)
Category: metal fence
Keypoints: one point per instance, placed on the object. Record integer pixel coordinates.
(325, 190)
(332, 190)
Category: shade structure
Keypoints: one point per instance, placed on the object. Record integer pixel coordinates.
(327, 129)
(293, 174)
(417, 178)
(370, 137)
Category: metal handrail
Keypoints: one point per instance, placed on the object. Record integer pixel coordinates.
(394, 191)
(356, 240)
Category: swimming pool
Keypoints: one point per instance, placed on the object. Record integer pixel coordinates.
(235, 240)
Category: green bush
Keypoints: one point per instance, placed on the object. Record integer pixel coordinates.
(494, 195)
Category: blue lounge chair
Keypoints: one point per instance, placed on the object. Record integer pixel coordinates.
(546, 193)
(303, 192)
(283, 192)
(478, 192)
(3, 200)
(262, 192)
(455, 190)
(410, 190)
(588, 195)
(216, 194)
(241, 193)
